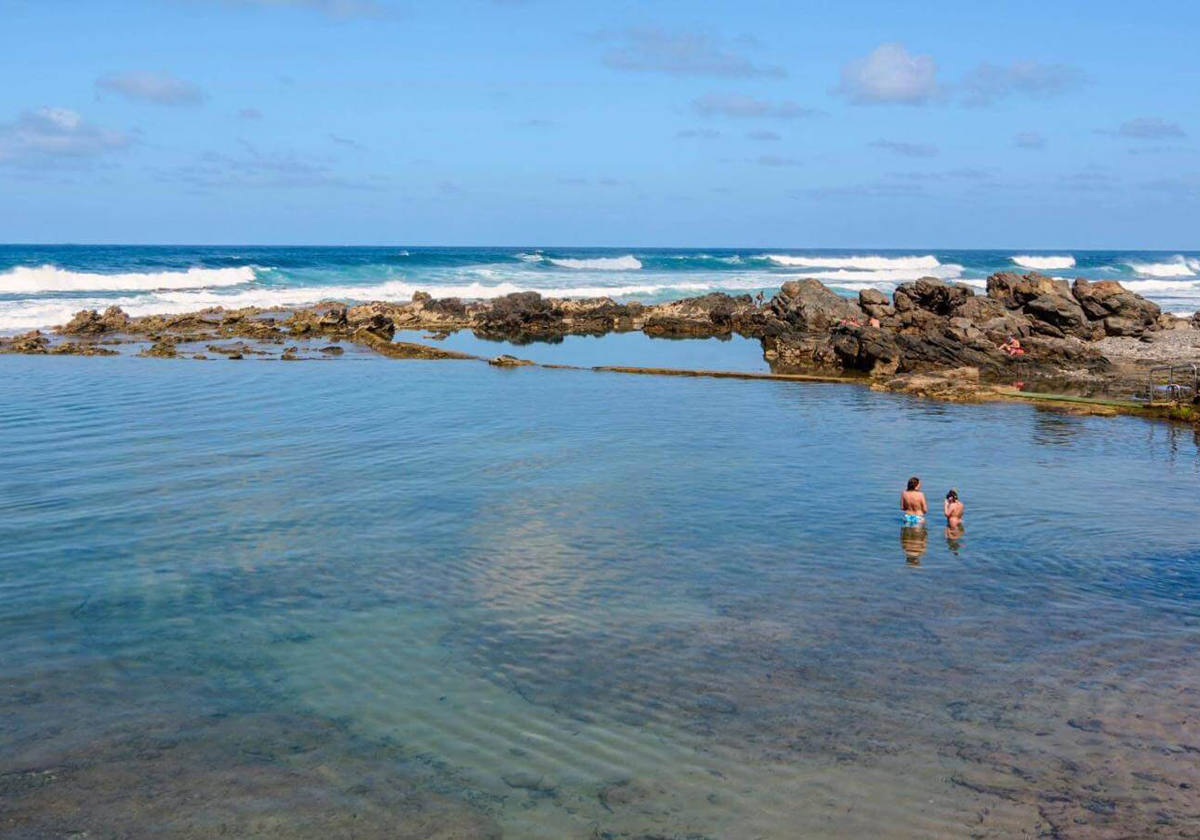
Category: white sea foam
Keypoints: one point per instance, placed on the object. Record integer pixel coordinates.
(1178, 266)
(42, 312)
(1154, 287)
(1044, 263)
(530, 258)
(906, 264)
(626, 263)
(51, 278)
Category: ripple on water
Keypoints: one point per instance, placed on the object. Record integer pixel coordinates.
(571, 605)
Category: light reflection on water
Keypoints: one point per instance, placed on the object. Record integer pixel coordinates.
(453, 601)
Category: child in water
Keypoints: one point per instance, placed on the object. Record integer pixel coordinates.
(953, 508)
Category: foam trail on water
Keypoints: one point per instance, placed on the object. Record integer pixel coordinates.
(626, 263)
(1044, 263)
(1152, 287)
(882, 278)
(908, 264)
(1178, 266)
(51, 278)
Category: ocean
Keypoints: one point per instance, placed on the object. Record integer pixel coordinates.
(407, 599)
(44, 285)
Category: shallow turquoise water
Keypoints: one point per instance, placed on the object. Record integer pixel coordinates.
(458, 601)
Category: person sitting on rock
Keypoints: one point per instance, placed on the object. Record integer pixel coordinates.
(1013, 347)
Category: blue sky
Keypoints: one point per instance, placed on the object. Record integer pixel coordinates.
(751, 123)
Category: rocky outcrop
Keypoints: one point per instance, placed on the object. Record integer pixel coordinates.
(164, 349)
(89, 322)
(1085, 310)
(710, 315)
(807, 306)
(926, 325)
(1120, 311)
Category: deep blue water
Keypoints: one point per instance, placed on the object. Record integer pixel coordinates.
(449, 600)
(44, 285)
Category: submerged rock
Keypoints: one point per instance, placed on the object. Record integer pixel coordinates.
(508, 361)
(163, 349)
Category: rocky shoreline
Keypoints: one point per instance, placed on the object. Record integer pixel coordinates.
(929, 337)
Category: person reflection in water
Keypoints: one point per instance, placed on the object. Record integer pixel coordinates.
(913, 542)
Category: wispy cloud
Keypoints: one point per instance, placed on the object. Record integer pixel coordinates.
(1147, 128)
(698, 134)
(333, 8)
(345, 141)
(1179, 186)
(763, 136)
(913, 150)
(876, 189)
(249, 114)
(964, 174)
(154, 88)
(48, 135)
(682, 54)
(256, 168)
(989, 83)
(1089, 179)
(777, 161)
(890, 75)
(735, 105)
(1029, 140)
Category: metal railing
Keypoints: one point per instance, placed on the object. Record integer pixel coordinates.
(1173, 383)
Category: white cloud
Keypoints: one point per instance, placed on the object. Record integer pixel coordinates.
(682, 54)
(989, 83)
(54, 133)
(890, 74)
(735, 105)
(155, 88)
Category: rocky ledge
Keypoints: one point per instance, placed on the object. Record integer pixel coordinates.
(925, 326)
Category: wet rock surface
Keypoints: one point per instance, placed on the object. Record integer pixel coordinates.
(926, 325)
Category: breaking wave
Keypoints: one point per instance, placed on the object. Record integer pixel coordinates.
(1179, 266)
(626, 263)
(1157, 287)
(907, 264)
(29, 314)
(51, 278)
(1044, 263)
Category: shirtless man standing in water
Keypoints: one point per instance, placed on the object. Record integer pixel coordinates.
(912, 504)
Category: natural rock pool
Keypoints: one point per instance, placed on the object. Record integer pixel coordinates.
(422, 599)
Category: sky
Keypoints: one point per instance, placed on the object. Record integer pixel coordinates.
(754, 123)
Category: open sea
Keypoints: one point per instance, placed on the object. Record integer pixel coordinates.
(45, 285)
(403, 599)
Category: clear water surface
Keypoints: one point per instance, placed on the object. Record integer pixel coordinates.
(422, 599)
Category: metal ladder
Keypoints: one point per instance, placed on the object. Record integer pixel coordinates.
(1173, 383)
